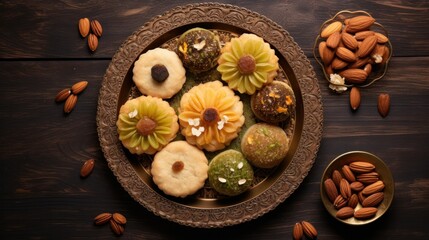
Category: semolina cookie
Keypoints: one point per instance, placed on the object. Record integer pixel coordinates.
(179, 169)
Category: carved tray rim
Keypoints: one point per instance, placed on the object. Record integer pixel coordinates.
(288, 181)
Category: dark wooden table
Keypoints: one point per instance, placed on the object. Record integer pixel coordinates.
(42, 150)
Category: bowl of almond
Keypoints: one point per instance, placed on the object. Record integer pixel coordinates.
(357, 188)
(353, 49)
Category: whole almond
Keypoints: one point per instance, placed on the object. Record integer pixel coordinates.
(361, 197)
(330, 189)
(354, 99)
(345, 54)
(381, 38)
(117, 228)
(84, 27)
(361, 167)
(378, 50)
(354, 75)
(340, 202)
(92, 42)
(79, 87)
(331, 28)
(333, 40)
(102, 218)
(348, 174)
(70, 103)
(383, 105)
(367, 46)
(356, 186)
(359, 62)
(336, 177)
(297, 233)
(368, 68)
(365, 213)
(119, 218)
(368, 178)
(326, 53)
(309, 230)
(345, 212)
(359, 23)
(363, 34)
(62, 95)
(328, 70)
(345, 189)
(337, 64)
(87, 168)
(96, 28)
(373, 188)
(386, 55)
(349, 41)
(353, 201)
(373, 200)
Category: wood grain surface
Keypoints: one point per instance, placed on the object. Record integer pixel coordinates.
(43, 197)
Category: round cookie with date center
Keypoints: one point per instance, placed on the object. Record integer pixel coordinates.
(229, 173)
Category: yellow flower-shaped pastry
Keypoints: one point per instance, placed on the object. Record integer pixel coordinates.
(146, 124)
(247, 63)
(210, 115)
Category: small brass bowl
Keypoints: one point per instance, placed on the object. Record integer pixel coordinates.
(380, 167)
(378, 71)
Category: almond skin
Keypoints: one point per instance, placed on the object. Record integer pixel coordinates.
(70, 103)
(373, 200)
(383, 105)
(333, 40)
(365, 213)
(92, 42)
(359, 23)
(309, 230)
(96, 28)
(345, 212)
(354, 75)
(361, 167)
(345, 54)
(79, 87)
(297, 233)
(87, 168)
(330, 189)
(62, 95)
(119, 218)
(367, 46)
(331, 28)
(84, 27)
(354, 99)
(102, 218)
(373, 188)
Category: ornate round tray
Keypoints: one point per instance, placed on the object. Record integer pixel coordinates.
(207, 209)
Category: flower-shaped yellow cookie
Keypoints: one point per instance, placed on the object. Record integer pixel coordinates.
(247, 63)
(146, 124)
(211, 116)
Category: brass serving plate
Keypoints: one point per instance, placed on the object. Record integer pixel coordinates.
(205, 209)
(381, 168)
(379, 71)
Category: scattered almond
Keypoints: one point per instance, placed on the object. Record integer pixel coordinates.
(383, 104)
(309, 230)
(62, 95)
(87, 168)
(102, 218)
(354, 99)
(117, 228)
(84, 27)
(119, 218)
(297, 233)
(92, 42)
(96, 28)
(70, 103)
(79, 87)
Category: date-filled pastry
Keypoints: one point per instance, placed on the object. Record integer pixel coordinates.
(210, 116)
(247, 63)
(146, 124)
(179, 169)
(159, 73)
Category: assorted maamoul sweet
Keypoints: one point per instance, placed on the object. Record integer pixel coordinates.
(159, 73)
(199, 49)
(265, 145)
(229, 173)
(210, 116)
(146, 124)
(179, 169)
(247, 63)
(274, 103)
